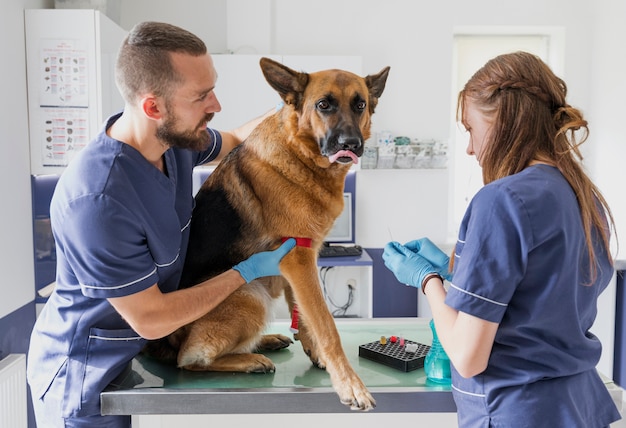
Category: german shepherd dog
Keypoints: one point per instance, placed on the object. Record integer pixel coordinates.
(285, 180)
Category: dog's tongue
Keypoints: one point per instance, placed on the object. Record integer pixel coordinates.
(344, 154)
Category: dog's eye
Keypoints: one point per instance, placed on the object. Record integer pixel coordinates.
(323, 105)
(361, 105)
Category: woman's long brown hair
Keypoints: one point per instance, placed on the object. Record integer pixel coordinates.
(532, 121)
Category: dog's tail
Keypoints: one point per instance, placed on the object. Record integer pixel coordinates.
(161, 349)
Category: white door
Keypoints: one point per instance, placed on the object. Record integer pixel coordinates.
(471, 52)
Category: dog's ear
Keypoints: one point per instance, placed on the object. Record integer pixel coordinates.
(376, 85)
(288, 83)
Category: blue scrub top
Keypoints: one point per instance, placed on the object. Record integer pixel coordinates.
(521, 261)
(120, 226)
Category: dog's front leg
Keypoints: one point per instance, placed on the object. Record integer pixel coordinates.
(299, 267)
(302, 334)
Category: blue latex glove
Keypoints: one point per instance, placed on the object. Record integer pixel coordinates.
(440, 260)
(265, 263)
(409, 267)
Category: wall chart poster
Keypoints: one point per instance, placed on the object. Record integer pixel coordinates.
(65, 132)
(63, 100)
(64, 74)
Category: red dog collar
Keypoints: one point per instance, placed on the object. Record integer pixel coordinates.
(295, 319)
(300, 242)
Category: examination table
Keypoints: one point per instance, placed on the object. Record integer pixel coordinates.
(153, 388)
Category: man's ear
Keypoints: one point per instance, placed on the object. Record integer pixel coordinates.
(151, 107)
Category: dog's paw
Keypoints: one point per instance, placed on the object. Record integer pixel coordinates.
(273, 342)
(362, 405)
(241, 363)
(315, 359)
(357, 399)
(351, 390)
(260, 364)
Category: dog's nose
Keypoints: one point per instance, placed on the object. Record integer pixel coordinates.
(349, 143)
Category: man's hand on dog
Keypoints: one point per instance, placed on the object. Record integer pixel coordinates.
(264, 264)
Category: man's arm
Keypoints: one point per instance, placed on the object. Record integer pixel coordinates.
(153, 314)
(232, 138)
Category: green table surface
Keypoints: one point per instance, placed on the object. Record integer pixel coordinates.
(151, 387)
(296, 386)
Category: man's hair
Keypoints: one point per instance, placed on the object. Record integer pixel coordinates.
(144, 63)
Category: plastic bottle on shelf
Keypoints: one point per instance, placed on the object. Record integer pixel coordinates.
(437, 363)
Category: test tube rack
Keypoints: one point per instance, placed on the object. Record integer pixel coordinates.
(394, 354)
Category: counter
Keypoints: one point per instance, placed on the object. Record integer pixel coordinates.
(154, 388)
(151, 387)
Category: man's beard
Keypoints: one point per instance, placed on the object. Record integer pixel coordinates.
(192, 140)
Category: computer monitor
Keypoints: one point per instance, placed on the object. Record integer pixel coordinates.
(343, 228)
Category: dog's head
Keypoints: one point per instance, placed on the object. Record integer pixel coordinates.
(334, 107)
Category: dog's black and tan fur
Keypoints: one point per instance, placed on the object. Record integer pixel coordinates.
(285, 180)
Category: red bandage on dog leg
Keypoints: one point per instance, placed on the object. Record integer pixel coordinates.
(294, 319)
(300, 242)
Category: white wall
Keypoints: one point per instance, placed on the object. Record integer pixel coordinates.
(205, 18)
(17, 287)
(606, 109)
(606, 153)
(414, 37)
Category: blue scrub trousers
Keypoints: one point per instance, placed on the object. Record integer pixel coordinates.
(48, 415)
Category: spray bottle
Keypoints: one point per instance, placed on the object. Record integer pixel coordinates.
(437, 363)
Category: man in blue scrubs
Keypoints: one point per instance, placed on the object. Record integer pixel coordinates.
(120, 217)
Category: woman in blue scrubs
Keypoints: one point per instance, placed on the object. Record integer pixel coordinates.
(532, 257)
(120, 216)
